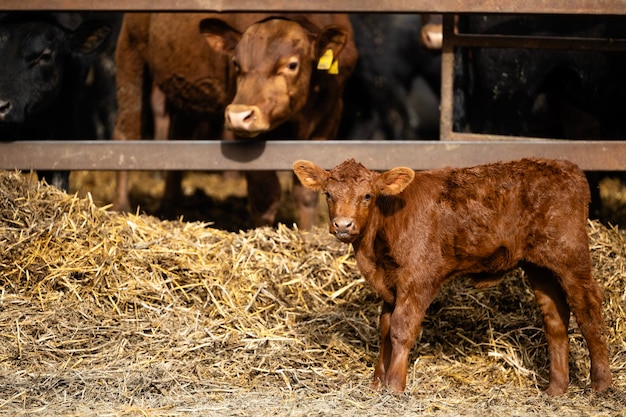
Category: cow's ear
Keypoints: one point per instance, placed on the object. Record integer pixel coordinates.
(395, 180)
(334, 38)
(219, 35)
(89, 36)
(310, 175)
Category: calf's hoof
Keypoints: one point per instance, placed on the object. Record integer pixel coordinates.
(554, 390)
(601, 385)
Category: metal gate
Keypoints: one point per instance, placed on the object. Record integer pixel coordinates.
(453, 148)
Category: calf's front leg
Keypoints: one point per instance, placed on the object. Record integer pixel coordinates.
(405, 321)
(384, 357)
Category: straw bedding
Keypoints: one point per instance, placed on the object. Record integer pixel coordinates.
(114, 314)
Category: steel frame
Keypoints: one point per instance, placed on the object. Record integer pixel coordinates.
(467, 149)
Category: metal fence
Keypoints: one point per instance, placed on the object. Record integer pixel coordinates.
(453, 148)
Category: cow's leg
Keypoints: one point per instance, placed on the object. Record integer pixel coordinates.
(172, 194)
(181, 126)
(130, 67)
(160, 115)
(264, 194)
(120, 201)
(306, 204)
(385, 347)
(553, 305)
(406, 321)
(58, 179)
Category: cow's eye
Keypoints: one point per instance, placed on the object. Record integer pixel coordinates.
(291, 67)
(237, 66)
(44, 58)
(327, 195)
(367, 197)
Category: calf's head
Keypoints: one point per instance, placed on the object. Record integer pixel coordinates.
(351, 192)
(273, 62)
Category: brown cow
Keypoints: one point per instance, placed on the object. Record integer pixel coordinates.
(411, 231)
(267, 65)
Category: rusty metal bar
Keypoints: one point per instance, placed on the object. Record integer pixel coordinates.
(446, 107)
(539, 42)
(598, 7)
(279, 155)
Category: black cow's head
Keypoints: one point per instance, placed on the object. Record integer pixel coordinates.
(40, 59)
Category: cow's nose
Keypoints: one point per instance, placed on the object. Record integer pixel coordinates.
(5, 108)
(241, 117)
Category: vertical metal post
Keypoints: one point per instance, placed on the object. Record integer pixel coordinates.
(447, 79)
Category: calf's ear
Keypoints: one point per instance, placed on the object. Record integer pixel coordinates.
(310, 175)
(219, 35)
(395, 180)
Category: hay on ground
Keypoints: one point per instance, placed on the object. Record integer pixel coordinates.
(104, 313)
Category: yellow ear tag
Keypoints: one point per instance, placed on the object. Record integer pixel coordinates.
(334, 69)
(326, 60)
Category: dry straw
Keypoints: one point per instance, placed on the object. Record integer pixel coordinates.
(113, 314)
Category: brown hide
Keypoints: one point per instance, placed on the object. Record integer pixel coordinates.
(411, 232)
(192, 67)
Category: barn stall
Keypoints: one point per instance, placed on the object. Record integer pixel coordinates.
(118, 314)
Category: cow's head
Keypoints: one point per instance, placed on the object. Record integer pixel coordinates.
(38, 59)
(351, 191)
(274, 60)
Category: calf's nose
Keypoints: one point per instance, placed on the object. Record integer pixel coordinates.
(343, 224)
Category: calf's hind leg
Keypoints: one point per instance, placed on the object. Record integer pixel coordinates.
(585, 299)
(555, 310)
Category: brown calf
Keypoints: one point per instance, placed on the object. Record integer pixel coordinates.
(411, 231)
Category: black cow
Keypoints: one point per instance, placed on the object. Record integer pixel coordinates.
(549, 93)
(44, 58)
(394, 90)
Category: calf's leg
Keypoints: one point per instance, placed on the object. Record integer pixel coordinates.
(384, 357)
(553, 305)
(585, 299)
(406, 320)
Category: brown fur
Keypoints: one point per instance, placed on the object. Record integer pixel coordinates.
(413, 231)
(189, 58)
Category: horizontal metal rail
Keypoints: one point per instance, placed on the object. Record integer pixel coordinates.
(598, 7)
(280, 155)
(539, 42)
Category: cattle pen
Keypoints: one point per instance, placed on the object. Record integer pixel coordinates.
(125, 314)
(467, 149)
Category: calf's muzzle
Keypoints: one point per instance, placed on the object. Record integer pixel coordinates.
(344, 229)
